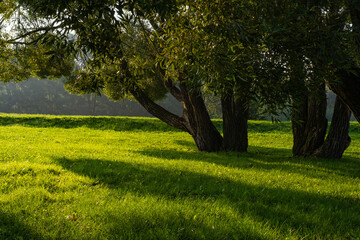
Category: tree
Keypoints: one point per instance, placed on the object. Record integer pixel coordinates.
(115, 66)
(312, 41)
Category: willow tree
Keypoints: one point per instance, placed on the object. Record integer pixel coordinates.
(187, 46)
(312, 40)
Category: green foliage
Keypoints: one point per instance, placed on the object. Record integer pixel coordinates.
(213, 46)
(79, 178)
(106, 74)
(23, 55)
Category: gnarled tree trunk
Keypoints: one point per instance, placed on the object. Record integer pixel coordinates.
(309, 124)
(338, 138)
(199, 124)
(195, 120)
(310, 133)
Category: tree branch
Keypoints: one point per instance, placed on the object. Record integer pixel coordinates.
(158, 111)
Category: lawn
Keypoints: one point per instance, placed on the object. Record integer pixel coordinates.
(136, 178)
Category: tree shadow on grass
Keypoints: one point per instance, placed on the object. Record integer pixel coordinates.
(12, 228)
(282, 209)
(267, 159)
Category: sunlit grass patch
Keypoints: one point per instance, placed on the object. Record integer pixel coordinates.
(99, 180)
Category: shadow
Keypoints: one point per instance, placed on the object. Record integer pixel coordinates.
(185, 143)
(12, 228)
(98, 123)
(278, 208)
(260, 126)
(265, 158)
(282, 159)
(268, 126)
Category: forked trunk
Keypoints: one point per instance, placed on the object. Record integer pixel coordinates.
(309, 124)
(309, 136)
(201, 128)
(195, 120)
(338, 138)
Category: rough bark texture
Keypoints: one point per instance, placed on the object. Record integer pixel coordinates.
(338, 138)
(158, 111)
(299, 118)
(309, 123)
(235, 117)
(201, 128)
(309, 135)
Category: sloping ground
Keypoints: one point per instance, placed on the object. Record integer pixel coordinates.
(136, 178)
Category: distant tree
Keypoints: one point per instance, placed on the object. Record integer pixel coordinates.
(44, 96)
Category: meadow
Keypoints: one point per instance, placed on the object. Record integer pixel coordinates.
(136, 178)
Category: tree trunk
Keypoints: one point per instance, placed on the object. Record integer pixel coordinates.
(201, 128)
(235, 117)
(196, 120)
(299, 118)
(338, 138)
(158, 111)
(309, 136)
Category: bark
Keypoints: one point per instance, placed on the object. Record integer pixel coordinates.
(196, 120)
(158, 111)
(201, 128)
(309, 123)
(235, 117)
(309, 136)
(338, 138)
(316, 124)
(299, 118)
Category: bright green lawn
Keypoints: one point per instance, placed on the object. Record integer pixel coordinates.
(135, 178)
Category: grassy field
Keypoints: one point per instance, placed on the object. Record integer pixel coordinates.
(136, 178)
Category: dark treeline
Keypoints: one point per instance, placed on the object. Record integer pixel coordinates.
(49, 97)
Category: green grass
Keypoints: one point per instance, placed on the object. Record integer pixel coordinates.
(136, 178)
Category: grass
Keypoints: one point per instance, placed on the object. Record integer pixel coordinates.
(136, 178)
